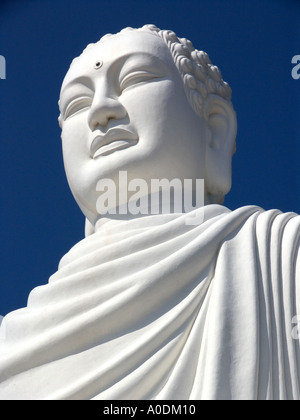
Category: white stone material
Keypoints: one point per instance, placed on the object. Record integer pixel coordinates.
(150, 306)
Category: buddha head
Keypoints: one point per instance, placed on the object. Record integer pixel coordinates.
(146, 102)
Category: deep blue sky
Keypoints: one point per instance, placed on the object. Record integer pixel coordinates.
(252, 42)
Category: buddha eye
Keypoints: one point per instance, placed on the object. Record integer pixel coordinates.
(135, 78)
(77, 105)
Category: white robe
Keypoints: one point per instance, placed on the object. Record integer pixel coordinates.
(154, 308)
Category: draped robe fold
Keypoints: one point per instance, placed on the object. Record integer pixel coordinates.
(156, 308)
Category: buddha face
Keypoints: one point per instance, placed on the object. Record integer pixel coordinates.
(124, 108)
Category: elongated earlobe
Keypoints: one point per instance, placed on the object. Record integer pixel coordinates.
(89, 228)
(221, 121)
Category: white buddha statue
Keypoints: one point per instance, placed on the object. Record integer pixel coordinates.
(151, 305)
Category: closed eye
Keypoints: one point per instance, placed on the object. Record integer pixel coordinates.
(77, 105)
(136, 77)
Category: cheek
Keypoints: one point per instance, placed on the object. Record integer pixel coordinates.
(75, 140)
(160, 113)
(147, 105)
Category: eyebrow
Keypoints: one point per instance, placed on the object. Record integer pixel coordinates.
(130, 63)
(125, 60)
(80, 80)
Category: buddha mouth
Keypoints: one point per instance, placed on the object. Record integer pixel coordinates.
(114, 139)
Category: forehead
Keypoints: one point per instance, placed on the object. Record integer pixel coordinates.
(115, 49)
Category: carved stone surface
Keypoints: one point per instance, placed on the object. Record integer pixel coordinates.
(157, 302)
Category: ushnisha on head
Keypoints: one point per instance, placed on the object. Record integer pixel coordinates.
(191, 134)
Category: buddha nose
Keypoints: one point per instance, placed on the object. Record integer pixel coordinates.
(103, 109)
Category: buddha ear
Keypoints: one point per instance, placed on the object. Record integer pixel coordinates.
(221, 134)
(89, 228)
